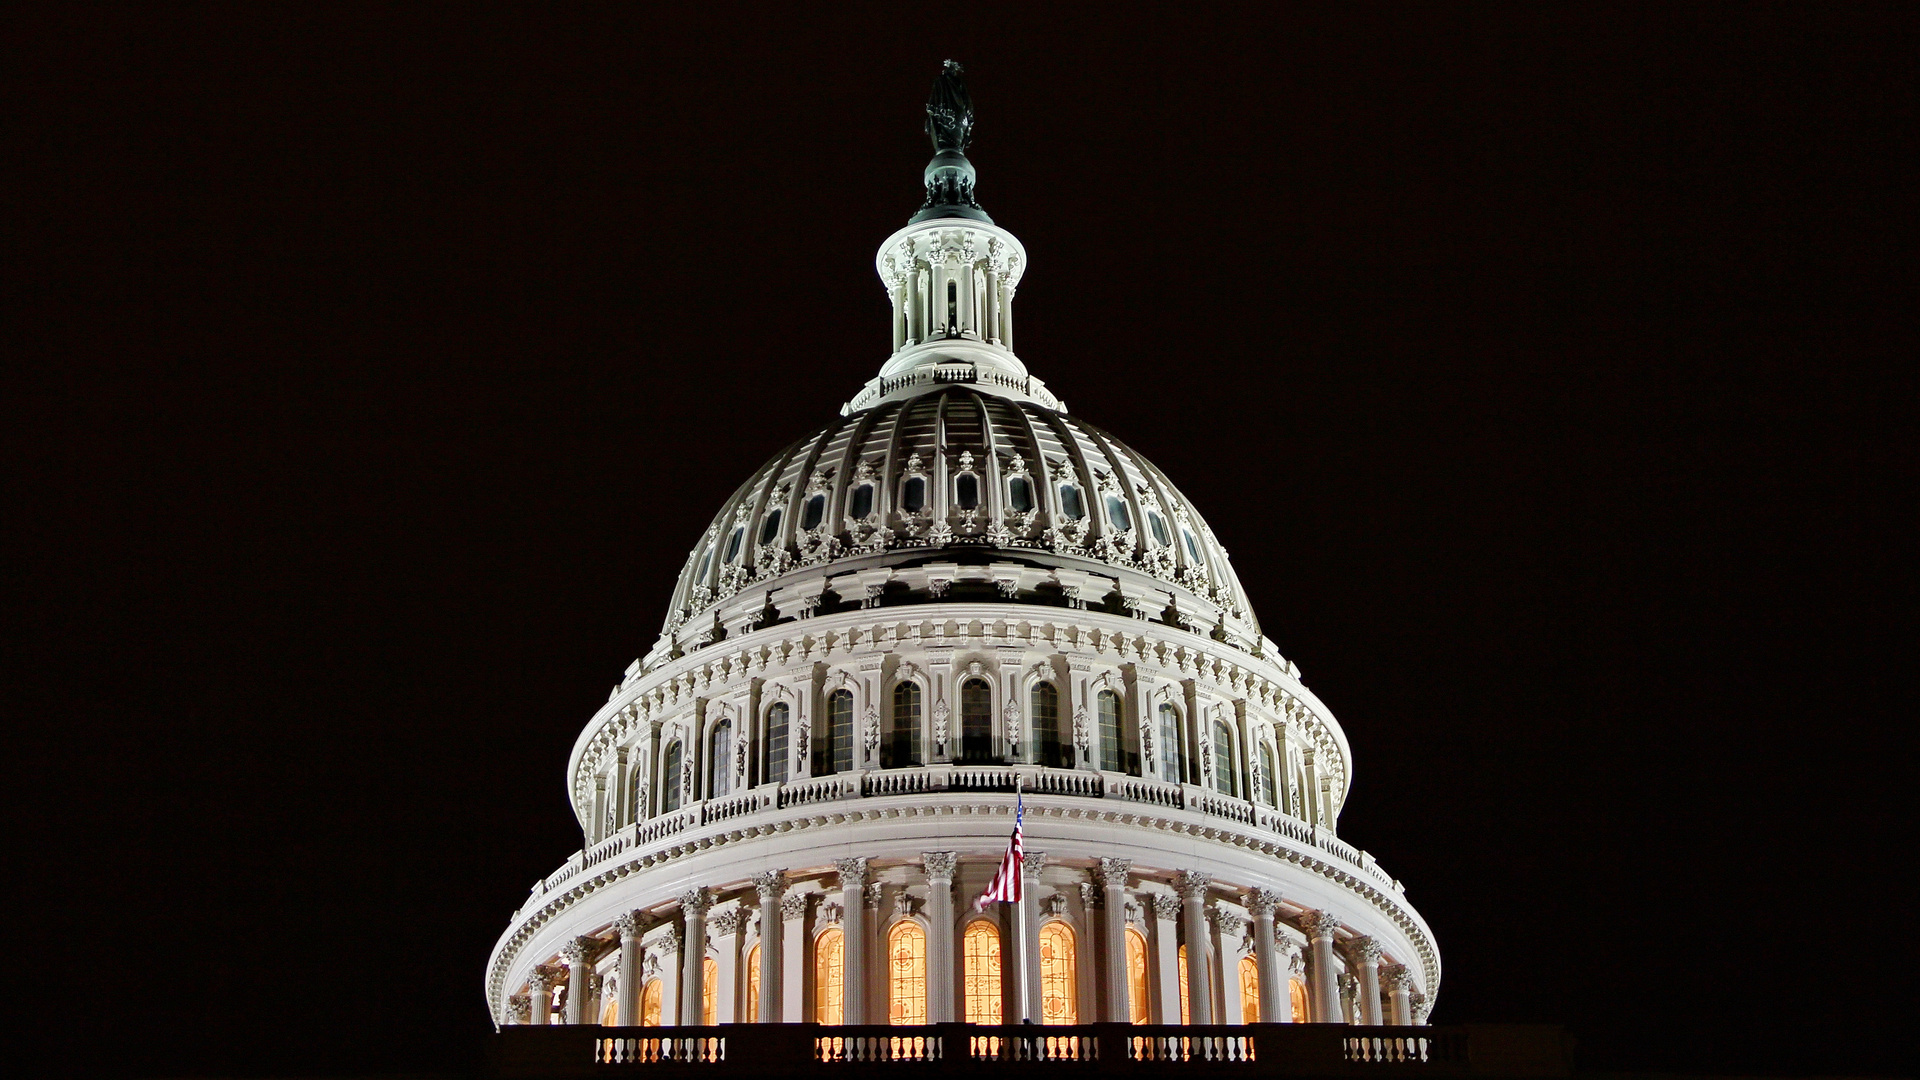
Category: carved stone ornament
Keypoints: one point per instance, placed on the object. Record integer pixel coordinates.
(696, 901)
(874, 894)
(1319, 924)
(1365, 950)
(1193, 883)
(1166, 906)
(1231, 923)
(1081, 737)
(1055, 906)
(1113, 874)
(539, 981)
(1396, 977)
(793, 906)
(1032, 864)
(729, 922)
(872, 723)
(1263, 902)
(940, 865)
(1090, 898)
(630, 927)
(853, 872)
(575, 951)
(770, 883)
(830, 913)
(940, 714)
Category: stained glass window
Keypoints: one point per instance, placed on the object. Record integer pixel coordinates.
(753, 985)
(907, 974)
(650, 1004)
(829, 956)
(1249, 991)
(709, 978)
(980, 954)
(1059, 991)
(1139, 1009)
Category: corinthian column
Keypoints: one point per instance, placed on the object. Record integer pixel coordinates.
(539, 997)
(1031, 865)
(575, 954)
(1274, 1006)
(793, 961)
(1323, 997)
(1166, 956)
(770, 884)
(941, 972)
(1113, 929)
(1193, 909)
(1399, 987)
(627, 1012)
(853, 929)
(1367, 951)
(693, 955)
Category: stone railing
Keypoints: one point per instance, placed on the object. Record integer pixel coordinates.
(1493, 1051)
(734, 805)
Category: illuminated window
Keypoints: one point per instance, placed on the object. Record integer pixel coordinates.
(829, 956)
(1183, 985)
(650, 1004)
(1059, 992)
(907, 974)
(904, 748)
(1138, 1006)
(753, 985)
(1225, 777)
(670, 778)
(980, 953)
(720, 759)
(1170, 755)
(1297, 992)
(976, 721)
(709, 976)
(1054, 752)
(1249, 991)
(776, 771)
(610, 1014)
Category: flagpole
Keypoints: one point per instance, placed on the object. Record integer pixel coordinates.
(1020, 919)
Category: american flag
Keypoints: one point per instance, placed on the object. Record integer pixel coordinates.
(1005, 886)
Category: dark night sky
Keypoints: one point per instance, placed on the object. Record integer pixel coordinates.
(1548, 372)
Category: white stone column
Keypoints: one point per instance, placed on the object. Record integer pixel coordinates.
(1274, 1006)
(853, 927)
(1228, 926)
(627, 1012)
(728, 931)
(1193, 908)
(693, 954)
(770, 884)
(1350, 997)
(942, 972)
(1166, 955)
(1028, 922)
(793, 958)
(1421, 1007)
(672, 950)
(539, 997)
(1113, 930)
(1323, 992)
(1367, 951)
(595, 1007)
(579, 999)
(1400, 988)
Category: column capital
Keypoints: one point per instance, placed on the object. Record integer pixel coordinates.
(1396, 977)
(1263, 902)
(520, 1007)
(670, 939)
(853, 872)
(1319, 924)
(1032, 863)
(539, 981)
(729, 922)
(939, 865)
(1193, 883)
(696, 901)
(1113, 874)
(793, 906)
(575, 951)
(1365, 949)
(1229, 922)
(631, 925)
(770, 883)
(1166, 906)
(874, 894)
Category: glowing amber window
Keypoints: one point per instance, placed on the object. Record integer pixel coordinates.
(1059, 991)
(650, 1004)
(1137, 978)
(1183, 985)
(980, 954)
(709, 975)
(753, 985)
(907, 974)
(1249, 991)
(829, 956)
(609, 1014)
(1297, 991)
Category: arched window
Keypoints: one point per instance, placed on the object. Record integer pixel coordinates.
(1055, 752)
(771, 527)
(976, 721)
(733, 543)
(903, 749)
(913, 494)
(1020, 494)
(1183, 986)
(980, 967)
(838, 753)
(1172, 755)
(1071, 507)
(753, 984)
(1297, 997)
(829, 956)
(907, 973)
(862, 502)
(776, 770)
(650, 1004)
(966, 491)
(1059, 987)
(813, 512)
(1107, 703)
(1158, 526)
(1117, 513)
(610, 1013)
(1139, 1009)
(1225, 777)
(670, 778)
(709, 989)
(1266, 776)
(720, 759)
(1249, 991)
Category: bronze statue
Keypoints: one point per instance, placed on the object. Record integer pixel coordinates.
(950, 111)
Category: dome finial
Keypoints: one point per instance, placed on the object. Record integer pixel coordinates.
(949, 176)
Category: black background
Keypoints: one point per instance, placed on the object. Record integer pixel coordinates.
(1546, 370)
